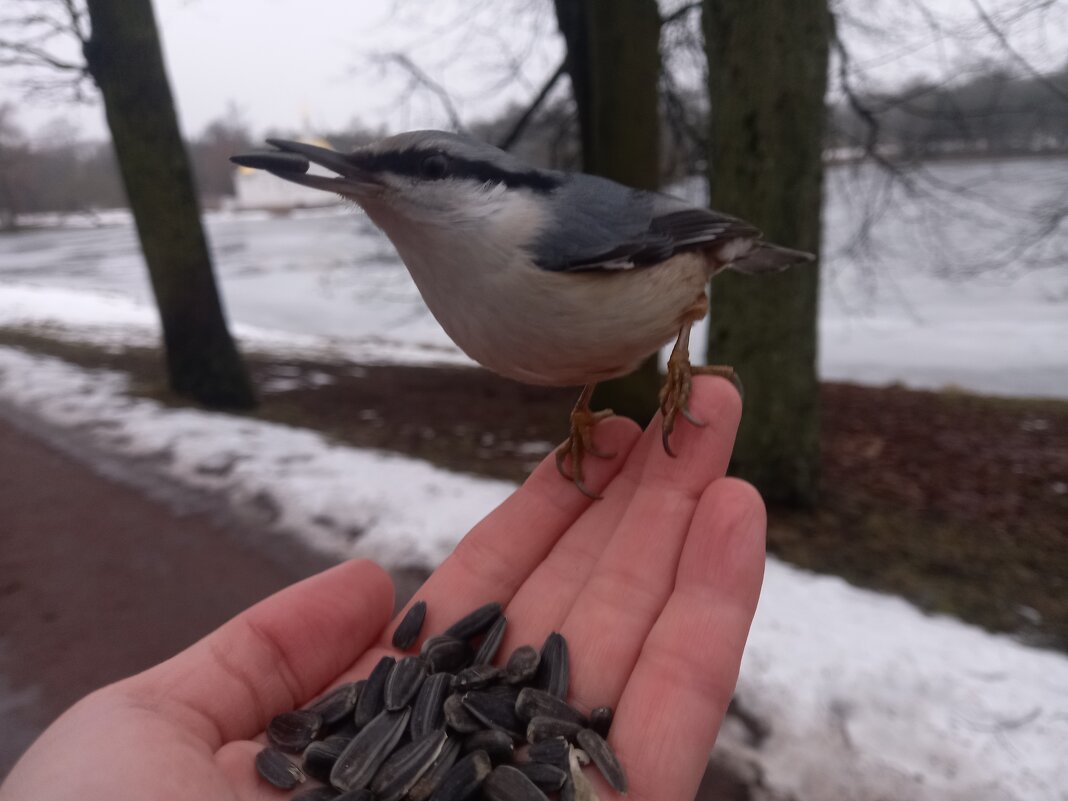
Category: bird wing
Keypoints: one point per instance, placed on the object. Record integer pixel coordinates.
(600, 225)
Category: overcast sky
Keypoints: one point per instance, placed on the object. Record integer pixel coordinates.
(300, 64)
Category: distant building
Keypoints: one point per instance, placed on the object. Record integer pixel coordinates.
(259, 190)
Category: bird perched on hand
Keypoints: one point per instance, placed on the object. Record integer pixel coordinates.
(542, 276)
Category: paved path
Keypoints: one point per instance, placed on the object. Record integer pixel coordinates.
(100, 578)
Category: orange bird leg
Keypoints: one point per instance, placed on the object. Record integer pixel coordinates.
(580, 440)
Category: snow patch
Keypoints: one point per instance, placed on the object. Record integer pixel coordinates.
(342, 501)
(869, 698)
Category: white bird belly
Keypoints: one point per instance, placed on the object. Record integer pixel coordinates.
(566, 329)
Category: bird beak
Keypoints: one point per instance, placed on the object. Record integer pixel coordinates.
(291, 161)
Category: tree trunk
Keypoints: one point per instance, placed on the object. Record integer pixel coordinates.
(767, 67)
(613, 59)
(126, 61)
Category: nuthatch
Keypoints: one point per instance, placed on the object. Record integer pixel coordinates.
(542, 276)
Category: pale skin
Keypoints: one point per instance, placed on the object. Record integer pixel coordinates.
(654, 586)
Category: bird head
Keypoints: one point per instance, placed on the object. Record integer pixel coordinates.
(419, 178)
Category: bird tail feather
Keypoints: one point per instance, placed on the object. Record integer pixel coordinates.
(768, 258)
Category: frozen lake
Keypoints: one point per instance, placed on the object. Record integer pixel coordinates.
(952, 289)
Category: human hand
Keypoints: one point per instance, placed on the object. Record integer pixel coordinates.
(654, 588)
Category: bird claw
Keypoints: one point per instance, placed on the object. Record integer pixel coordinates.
(675, 394)
(693, 420)
(578, 444)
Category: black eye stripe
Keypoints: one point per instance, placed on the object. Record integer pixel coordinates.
(434, 166)
(412, 163)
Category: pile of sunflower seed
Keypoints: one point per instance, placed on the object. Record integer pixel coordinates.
(447, 725)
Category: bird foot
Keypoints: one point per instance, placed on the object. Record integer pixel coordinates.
(578, 444)
(675, 394)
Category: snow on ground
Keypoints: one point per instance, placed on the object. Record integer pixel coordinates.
(341, 500)
(112, 321)
(867, 697)
(327, 281)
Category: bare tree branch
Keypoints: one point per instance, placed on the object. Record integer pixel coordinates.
(859, 106)
(420, 78)
(679, 13)
(524, 119)
(78, 24)
(1015, 54)
(39, 37)
(25, 55)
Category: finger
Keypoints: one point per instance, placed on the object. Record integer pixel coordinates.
(627, 546)
(668, 716)
(273, 657)
(498, 555)
(717, 403)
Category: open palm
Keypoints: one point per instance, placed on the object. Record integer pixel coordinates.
(654, 587)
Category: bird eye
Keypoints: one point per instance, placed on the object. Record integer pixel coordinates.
(434, 167)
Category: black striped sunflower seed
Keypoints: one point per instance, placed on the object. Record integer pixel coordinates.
(317, 794)
(548, 778)
(475, 677)
(427, 712)
(555, 751)
(337, 704)
(474, 623)
(602, 755)
(542, 727)
(355, 795)
(429, 781)
(507, 783)
(275, 767)
(601, 720)
(497, 745)
(406, 765)
(554, 666)
(503, 691)
(319, 757)
(495, 711)
(522, 665)
(458, 718)
(491, 643)
(448, 654)
(372, 698)
(363, 756)
(464, 778)
(346, 728)
(407, 631)
(293, 731)
(533, 702)
(404, 682)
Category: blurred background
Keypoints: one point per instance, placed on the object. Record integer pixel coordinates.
(213, 382)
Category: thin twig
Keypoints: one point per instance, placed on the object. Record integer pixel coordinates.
(422, 79)
(524, 119)
(679, 13)
(1008, 47)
